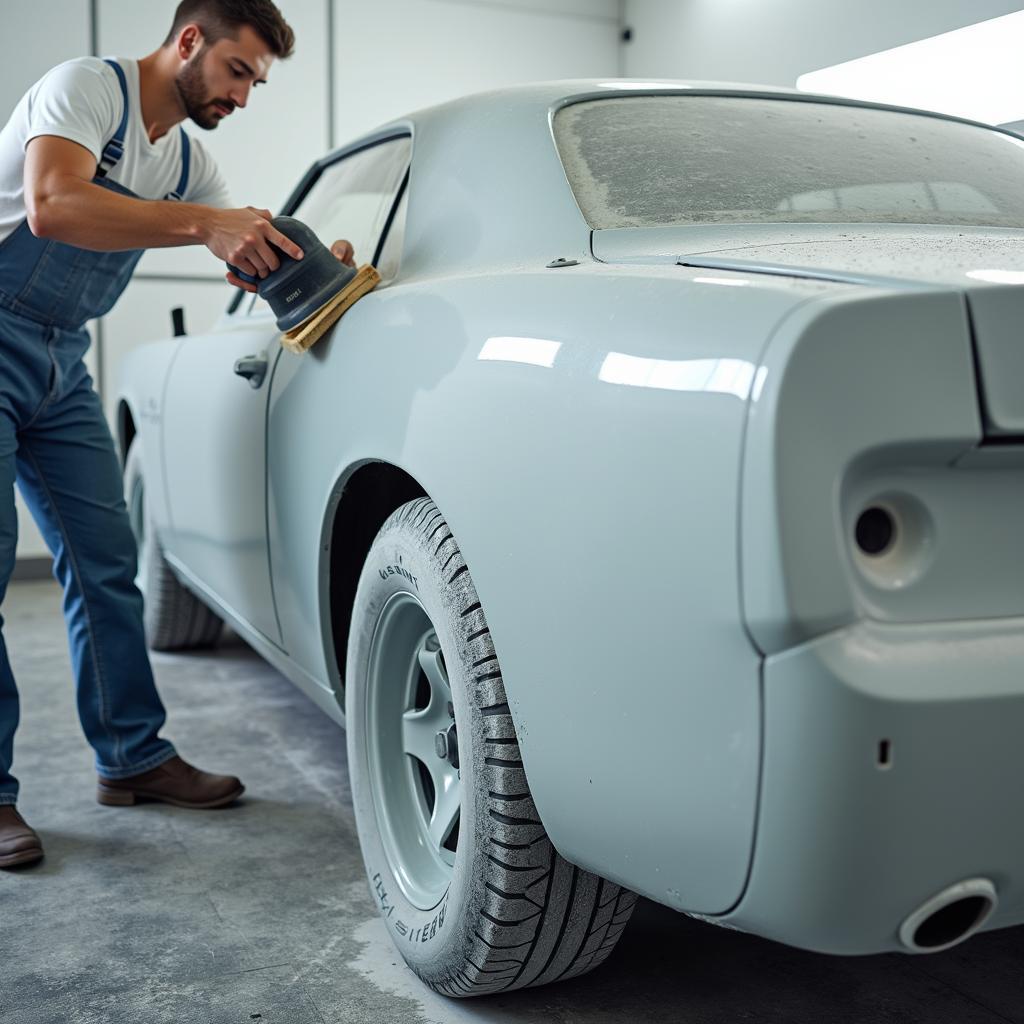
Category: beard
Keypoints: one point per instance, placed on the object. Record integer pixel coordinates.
(191, 83)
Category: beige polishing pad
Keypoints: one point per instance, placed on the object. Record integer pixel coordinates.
(313, 328)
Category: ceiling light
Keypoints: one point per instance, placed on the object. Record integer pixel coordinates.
(972, 72)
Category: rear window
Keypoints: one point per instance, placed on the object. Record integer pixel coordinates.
(648, 161)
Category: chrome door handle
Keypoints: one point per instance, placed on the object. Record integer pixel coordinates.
(253, 368)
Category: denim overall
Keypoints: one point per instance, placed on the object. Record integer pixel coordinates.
(54, 440)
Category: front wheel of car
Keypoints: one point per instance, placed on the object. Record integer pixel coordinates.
(174, 618)
(459, 864)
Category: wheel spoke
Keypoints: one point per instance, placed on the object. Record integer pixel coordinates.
(446, 806)
(418, 731)
(432, 663)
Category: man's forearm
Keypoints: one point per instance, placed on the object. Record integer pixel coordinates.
(91, 217)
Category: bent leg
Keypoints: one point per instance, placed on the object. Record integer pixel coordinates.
(69, 474)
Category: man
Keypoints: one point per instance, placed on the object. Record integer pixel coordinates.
(94, 169)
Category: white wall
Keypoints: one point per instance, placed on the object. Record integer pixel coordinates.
(772, 42)
(385, 59)
(447, 48)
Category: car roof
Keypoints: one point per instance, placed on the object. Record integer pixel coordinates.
(488, 186)
(560, 91)
(549, 95)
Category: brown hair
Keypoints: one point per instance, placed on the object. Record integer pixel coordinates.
(220, 18)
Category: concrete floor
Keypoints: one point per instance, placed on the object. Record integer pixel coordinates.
(261, 913)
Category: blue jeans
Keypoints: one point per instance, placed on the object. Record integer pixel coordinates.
(54, 440)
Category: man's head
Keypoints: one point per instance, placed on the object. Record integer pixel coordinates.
(225, 47)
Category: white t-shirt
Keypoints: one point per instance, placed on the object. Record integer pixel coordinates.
(81, 100)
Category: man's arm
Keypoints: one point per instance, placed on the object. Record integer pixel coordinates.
(63, 203)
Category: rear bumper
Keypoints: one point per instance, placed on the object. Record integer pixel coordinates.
(847, 845)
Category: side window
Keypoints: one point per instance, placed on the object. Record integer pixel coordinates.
(353, 197)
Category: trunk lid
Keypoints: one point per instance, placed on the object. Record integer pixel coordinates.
(985, 264)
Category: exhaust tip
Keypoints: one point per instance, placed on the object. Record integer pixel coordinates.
(949, 917)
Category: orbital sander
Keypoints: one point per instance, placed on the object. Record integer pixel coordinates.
(308, 296)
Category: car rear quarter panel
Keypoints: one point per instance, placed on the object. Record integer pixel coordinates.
(595, 501)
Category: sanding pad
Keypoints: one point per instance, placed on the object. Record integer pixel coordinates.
(313, 328)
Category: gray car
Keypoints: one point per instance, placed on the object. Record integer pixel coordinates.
(653, 527)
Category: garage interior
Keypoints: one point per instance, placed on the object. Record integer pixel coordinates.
(262, 912)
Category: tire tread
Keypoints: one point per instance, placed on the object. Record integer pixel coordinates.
(579, 916)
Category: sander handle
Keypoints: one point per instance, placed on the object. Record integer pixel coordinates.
(253, 278)
(248, 278)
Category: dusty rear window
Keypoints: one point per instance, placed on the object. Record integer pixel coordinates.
(646, 161)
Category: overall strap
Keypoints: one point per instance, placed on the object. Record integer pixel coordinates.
(114, 149)
(186, 156)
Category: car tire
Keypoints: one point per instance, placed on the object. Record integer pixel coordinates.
(174, 618)
(497, 909)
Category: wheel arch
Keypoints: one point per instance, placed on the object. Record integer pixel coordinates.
(360, 503)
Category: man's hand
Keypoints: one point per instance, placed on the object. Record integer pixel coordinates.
(343, 250)
(242, 238)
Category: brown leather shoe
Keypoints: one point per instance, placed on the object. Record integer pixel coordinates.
(174, 782)
(19, 844)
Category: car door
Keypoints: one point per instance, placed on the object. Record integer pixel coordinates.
(215, 410)
(215, 464)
